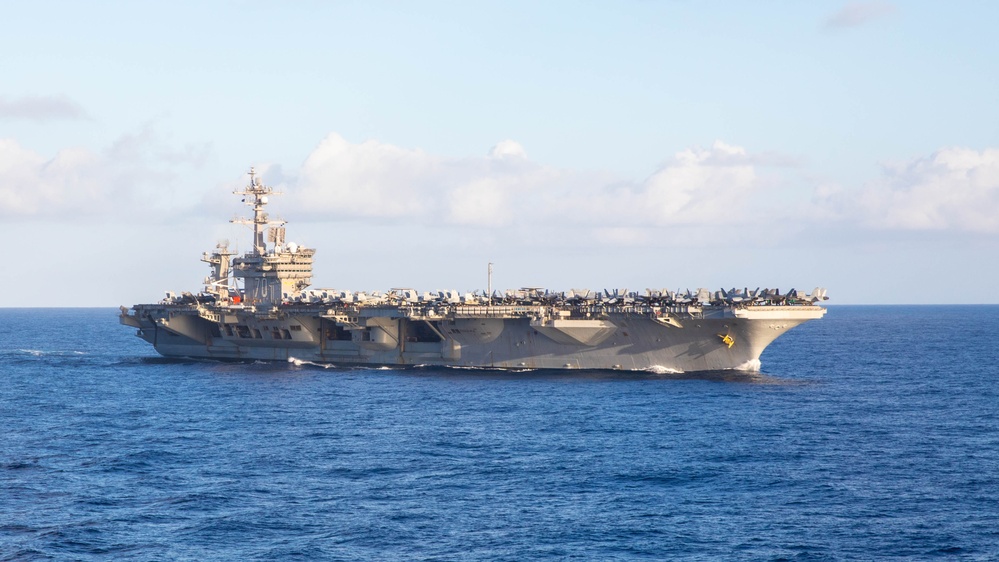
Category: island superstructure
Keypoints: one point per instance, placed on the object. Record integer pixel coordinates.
(258, 306)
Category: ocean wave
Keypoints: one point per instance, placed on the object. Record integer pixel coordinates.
(49, 353)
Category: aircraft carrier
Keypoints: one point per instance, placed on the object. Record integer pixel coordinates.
(258, 306)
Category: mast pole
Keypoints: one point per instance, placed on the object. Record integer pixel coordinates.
(255, 195)
(259, 216)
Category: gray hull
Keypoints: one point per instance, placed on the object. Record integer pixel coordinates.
(714, 338)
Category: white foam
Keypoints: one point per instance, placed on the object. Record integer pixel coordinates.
(40, 353)
(753, 365)
(299, 362)
(661, 370)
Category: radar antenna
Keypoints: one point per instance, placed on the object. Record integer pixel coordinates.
(255, 195)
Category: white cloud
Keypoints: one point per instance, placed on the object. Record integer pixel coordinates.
(692, 198)
(505, 188)
(371, 179)
(137, 169)
(700, 186)
(508, 149)
(378, 180)
(859, 13)
(40, 108)
(480, 202)
(952, 189)
(73, 181)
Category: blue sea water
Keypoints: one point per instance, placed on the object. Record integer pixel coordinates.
(872, 434)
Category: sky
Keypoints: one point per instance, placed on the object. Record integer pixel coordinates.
(573, 144)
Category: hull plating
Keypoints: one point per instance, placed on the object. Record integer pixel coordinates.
(622, 341)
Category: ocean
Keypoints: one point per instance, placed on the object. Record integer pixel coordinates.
(870, 434)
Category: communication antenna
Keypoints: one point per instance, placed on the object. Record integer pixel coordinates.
(489, 282)
(255, 195)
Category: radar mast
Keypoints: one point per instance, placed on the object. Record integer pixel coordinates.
(255, 195)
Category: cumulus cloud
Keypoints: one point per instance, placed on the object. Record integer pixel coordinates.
(508, 149)
(40, 108)
(698, 186)
(951, 189)
(379, 180)
(693, 194)
(73, 181)
(859, 13)
(692, 197)
(505, 188)
(78, 182)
